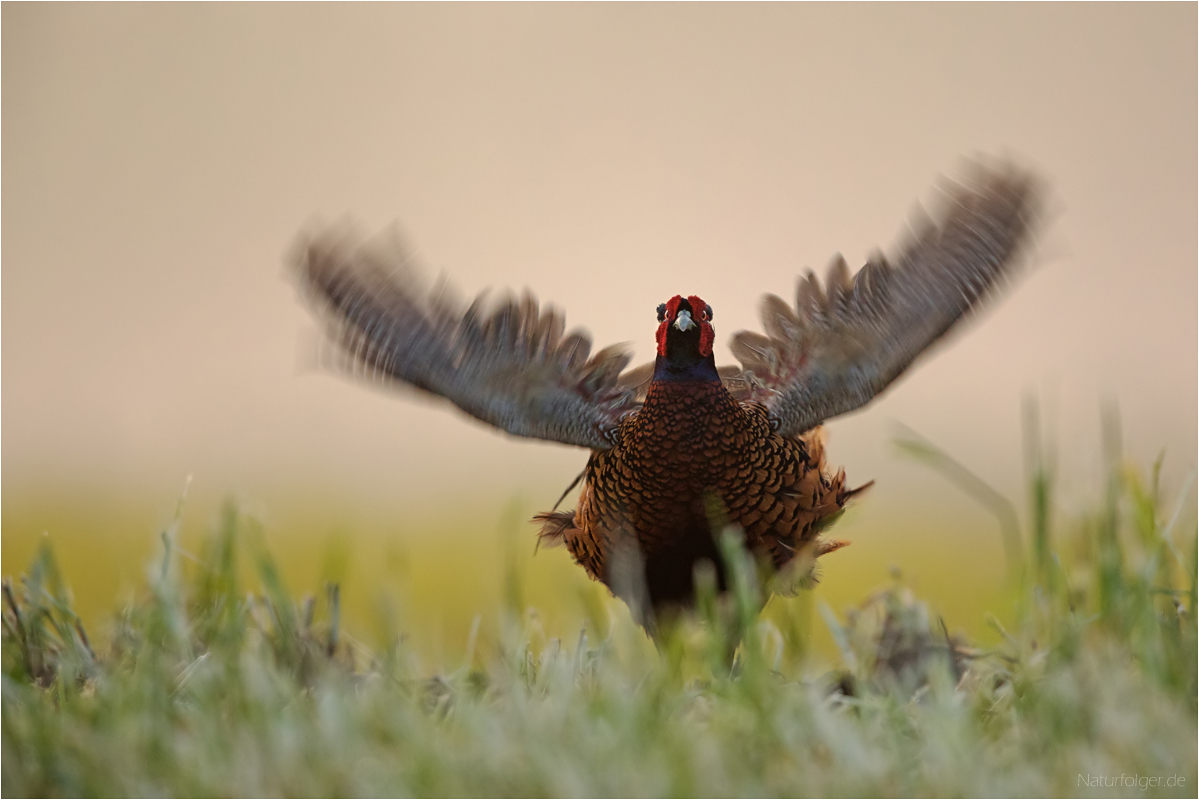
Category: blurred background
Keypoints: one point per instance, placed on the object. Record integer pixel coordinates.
(161, 159)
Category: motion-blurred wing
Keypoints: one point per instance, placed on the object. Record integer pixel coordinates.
(510, 366)
(843, 344)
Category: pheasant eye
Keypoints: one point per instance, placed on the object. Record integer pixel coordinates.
(661, 312)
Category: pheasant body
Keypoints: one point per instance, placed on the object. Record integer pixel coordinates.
(690, 461)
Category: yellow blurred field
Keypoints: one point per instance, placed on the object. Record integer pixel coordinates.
(430, 580)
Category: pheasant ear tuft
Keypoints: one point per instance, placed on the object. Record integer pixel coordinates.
(661, 312)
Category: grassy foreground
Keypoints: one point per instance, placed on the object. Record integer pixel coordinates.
(207, 688)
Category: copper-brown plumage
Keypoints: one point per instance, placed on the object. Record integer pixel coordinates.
(689, 461)
(681, 448)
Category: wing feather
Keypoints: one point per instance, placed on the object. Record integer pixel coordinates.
(509, 363)
(845, 341)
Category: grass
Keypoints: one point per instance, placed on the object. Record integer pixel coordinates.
(211, 686)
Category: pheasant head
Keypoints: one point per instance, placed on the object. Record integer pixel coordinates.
(685, 337)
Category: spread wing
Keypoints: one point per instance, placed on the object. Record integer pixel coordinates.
(508, 364)
(842, 344)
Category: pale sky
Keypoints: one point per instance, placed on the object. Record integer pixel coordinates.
(160, 159)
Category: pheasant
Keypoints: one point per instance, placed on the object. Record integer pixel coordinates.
(680, 448)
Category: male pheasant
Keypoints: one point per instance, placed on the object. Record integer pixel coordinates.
(680, 448)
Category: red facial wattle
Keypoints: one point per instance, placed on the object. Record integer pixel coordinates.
(707, 335)
(672, 308)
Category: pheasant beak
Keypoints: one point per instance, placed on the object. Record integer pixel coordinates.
(684, 321)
